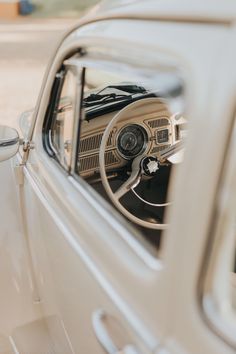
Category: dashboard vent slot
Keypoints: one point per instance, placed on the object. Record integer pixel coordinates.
(159, 148)
(156, 123)
(93, 142)
(90, 143)
(110, 158)
(109, 140)
(92, 162)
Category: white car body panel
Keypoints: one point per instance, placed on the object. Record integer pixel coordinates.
(81, 266)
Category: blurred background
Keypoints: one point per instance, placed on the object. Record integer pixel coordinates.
(58, 8)
(29, 33)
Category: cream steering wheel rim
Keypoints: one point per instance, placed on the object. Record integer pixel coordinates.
(106, 185)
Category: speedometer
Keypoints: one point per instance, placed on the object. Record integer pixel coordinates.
(131, 141)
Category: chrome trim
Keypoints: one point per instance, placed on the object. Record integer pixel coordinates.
(9, 142)
(160, 205)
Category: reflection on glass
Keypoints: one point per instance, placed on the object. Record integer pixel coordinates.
(147, 134)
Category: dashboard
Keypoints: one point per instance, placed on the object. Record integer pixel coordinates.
(148, 130)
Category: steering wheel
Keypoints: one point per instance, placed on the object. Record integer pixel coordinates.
(142, 165)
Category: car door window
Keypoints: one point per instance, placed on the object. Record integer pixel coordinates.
(141, 148)
(131, 133)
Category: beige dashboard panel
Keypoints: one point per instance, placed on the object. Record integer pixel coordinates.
(152, 115)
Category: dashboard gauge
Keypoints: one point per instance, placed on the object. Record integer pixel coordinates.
(162, 136)
(131, 141)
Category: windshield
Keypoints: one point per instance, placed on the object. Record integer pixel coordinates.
(113, 97)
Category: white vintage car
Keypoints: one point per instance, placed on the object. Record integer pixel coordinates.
(118, 200)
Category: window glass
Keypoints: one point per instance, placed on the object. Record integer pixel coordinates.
(131, 135)
(63, 122)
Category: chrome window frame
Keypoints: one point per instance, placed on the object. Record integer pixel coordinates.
(66, 66)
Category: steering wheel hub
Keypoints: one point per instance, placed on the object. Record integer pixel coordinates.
(149, 165)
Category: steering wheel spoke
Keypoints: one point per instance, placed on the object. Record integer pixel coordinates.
(128, 185)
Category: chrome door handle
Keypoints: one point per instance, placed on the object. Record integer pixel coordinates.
(103, 337)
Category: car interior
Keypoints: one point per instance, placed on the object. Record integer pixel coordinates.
(129, 140)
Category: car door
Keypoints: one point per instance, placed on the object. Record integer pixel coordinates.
(100, 286)
(96, 279)
(91, 271)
